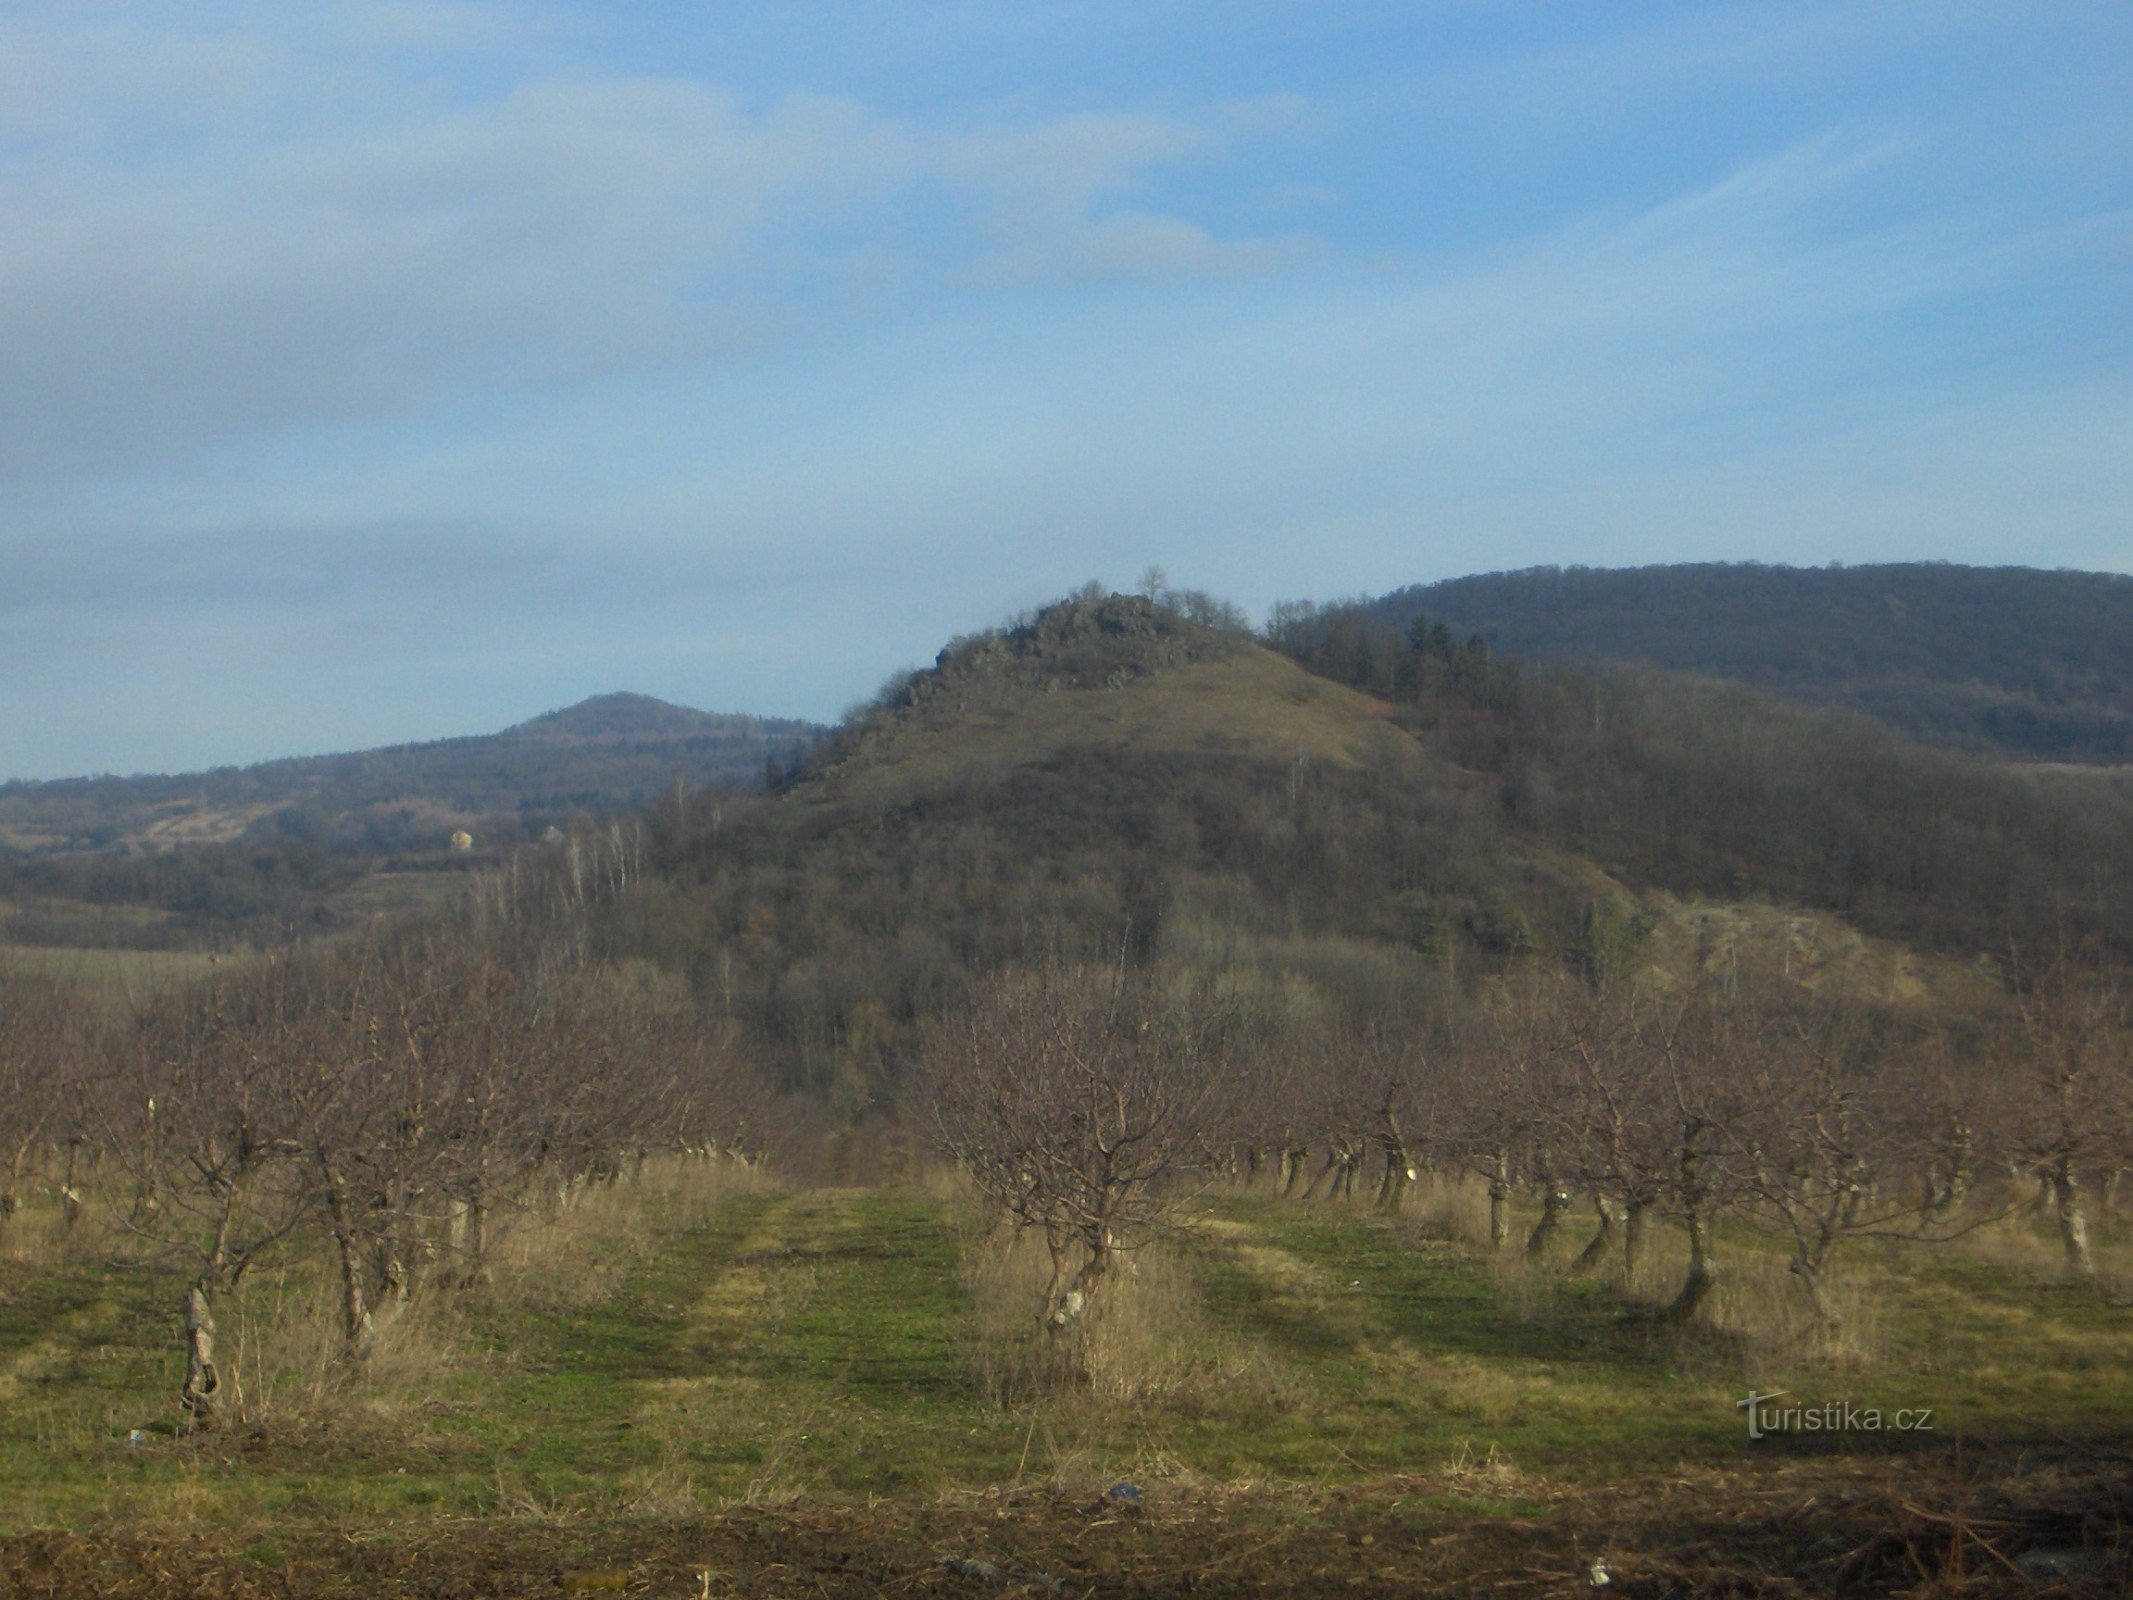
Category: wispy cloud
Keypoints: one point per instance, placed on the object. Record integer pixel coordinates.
(557, 230)
(354, 351)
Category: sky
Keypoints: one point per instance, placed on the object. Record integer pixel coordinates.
(385, 371)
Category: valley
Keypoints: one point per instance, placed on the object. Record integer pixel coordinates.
(1143, 1105)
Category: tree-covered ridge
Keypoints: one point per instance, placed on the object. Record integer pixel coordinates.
(1329, 825)
(609, 753)
(2005, 660)
(1691, 785)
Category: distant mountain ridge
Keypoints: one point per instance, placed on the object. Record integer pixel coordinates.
(607, 753)
(622, 717)
(2013, 661)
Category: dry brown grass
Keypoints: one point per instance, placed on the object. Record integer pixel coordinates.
(1449, 1205)
(1145, 1337)
(1487, 1473)
(39, 1234)
(2030, 1245)
(281, 1340)
(668, 1488)
(1761, 1303)
(1758, 1305)
(578, 1251)
(116, 978)
(285, 1367)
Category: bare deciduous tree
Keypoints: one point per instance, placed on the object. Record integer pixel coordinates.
(44, 1063)
(205, 1127)
(2068, 1099)
(1071, 1096)
(1492, 1105)
(1825, 1135)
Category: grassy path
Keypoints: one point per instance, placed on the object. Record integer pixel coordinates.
(811, 1341)
(827, 1354)
(772, 1344)
(1405, 1353)
(1411, 1351)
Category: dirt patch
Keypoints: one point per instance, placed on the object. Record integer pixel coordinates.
(2029, 1523)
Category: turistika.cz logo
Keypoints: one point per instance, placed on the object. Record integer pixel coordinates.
(1766, 1416)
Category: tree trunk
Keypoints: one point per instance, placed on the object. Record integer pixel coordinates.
(1953, 1190)
(1074, 1303)
(477, 1242)
(2041, 1201)
(396, 1287)
(1633, 1216)
(1809, 1272)
(1954, 1187)
(202, 1381)
(1703, 1271)
(1057, 1313)
(70, 1202)
(356, 1329)
(1554, 1202)
(1333, 1160)
(1500, 1204)
(145, 1203)
(398, 1241)
(1094, 1270)
(10, 1193)
(564, 1191)
(1292, 1170)
(2073, 1221)
(1594, 1255)
(1399, 1176)
(1344, 1178)
(1695, 1195)
(467, 1235)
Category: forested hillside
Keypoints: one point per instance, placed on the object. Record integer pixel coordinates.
(2008, 660)
(1339, 825)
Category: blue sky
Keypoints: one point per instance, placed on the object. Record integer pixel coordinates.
(386, 371)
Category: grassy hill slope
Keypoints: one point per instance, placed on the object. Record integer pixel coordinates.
(1138, 681)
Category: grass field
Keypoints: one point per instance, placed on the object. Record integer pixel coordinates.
(693, 1387)
(118, 971)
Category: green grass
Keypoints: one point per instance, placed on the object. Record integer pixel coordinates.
(117, 970)
(1407, 1352)
(770, 1344)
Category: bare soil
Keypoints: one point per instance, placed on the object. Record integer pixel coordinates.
(2043, 1519)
